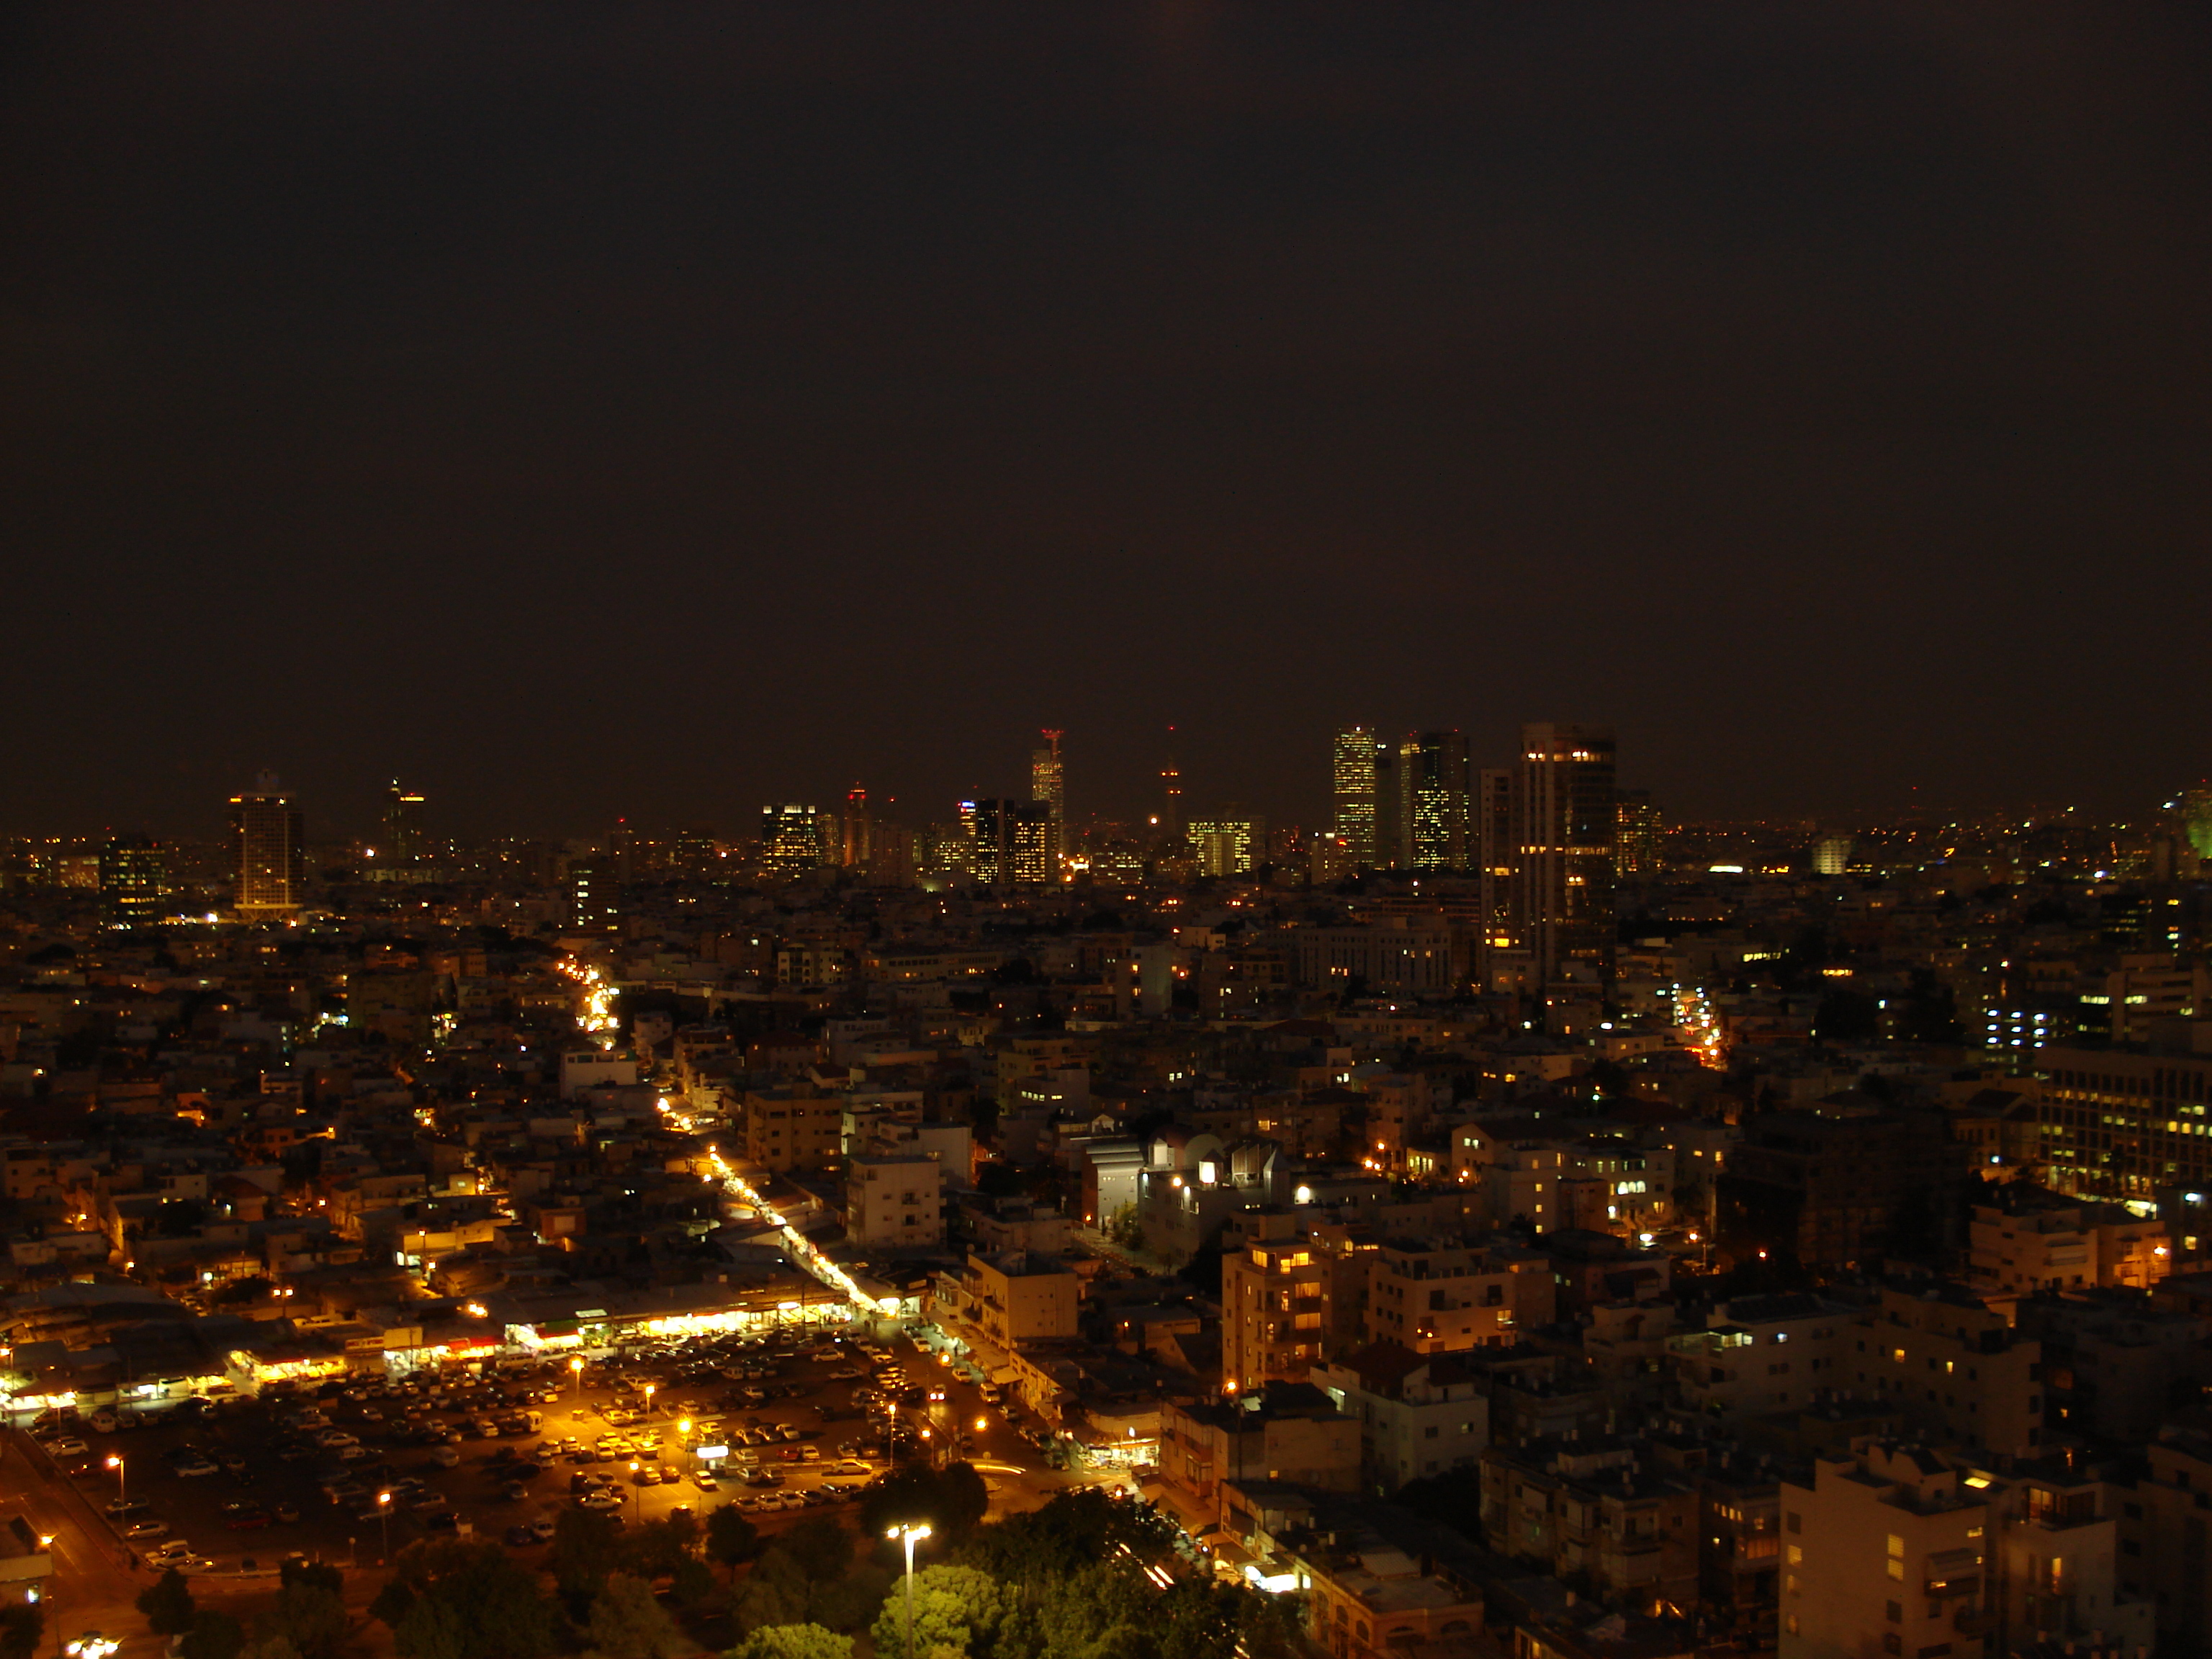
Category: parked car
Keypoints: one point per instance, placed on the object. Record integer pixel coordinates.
(145, 1529)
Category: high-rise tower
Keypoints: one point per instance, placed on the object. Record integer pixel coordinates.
(859, 830)
(1351, 787)
(1563, 828)
(403, 825)
(1637, 833)
(1048, 785)
(269, 856)
(1432, 798)
(134, 881)
(1171, 792)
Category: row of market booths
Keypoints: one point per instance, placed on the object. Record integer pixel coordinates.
(86, 1347)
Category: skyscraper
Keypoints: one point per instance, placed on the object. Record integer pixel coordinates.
(403, 825)
(860, 831)
(1637, 833)
(1171, 792)
(1494, 857)
(1351, 786)
(595, 893)
(1563, 828)
(1013, 841)
(1432, 796)
(134, 881)
(269, 856)
(791, 840)
(1048, 785)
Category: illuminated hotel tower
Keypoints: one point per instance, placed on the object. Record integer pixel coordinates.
(1352, 780)
(859, 830)
(268, 855)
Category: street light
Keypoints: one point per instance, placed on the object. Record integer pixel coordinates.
(92, 1645)
(122, 1505)
(576, 1370)
(634, 1506)
(384, 1526)
(909, 1533)
(648, 1400)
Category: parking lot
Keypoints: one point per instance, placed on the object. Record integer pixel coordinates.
(499, 1451)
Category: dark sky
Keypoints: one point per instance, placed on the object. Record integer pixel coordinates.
(653, 410)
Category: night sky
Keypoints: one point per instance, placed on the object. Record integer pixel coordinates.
(585, 410)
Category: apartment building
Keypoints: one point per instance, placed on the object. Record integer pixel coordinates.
(1277, 1306)
(894, 1203)
(1433, 1296)
(792, 1130)
(1592, 1514)
(1420, 1415)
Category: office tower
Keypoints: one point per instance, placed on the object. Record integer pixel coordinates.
(1389, 810)
(1637, 833)
(269, 857)
(134, 881)
(1352, 786)
(1171, 792)
(1048, 784)
(1832, 855)
(1012, 841)
(791, 840)
(859, 836)
(595, 893)
(1494, 860)
(1432, 801)
(403, 825)
(1229, 843)
(1563, 844)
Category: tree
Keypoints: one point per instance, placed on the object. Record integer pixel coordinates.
(169, 1604)
(794, 1642)
(309, 1616)
(954, 1608)
(823, 1548)
(657, 1549)
(320, 1574)
(731, 1535)
(277, 1647)
(627, 1622)
(952, 1500)
(587, 1547)
(432, 1628)
(776, 1592)
(1124, 1228)
(850, 1602)
(481, 1604)
(214, 1636)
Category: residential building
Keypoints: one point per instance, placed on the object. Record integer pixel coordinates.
(268, 850)
(895, 1203)
(1420, 1415)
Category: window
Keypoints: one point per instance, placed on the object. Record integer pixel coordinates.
(1796, 1555)
(1794, 1522)
(1896, 1556)
(1892, 1641)
(1895, 1611)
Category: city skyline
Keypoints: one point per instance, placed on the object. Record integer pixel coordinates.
(1075, 374)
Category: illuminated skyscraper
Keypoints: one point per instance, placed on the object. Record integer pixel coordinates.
(269, 856)
(1432, 801)
(1012, 842)
(403, 825)
(1637, 833)
(1832, 855)
(791, 840)
(1048, 785)
(1562, 827)
(1351, 785)
(134, 882)
(859, 830)
(1228, 844)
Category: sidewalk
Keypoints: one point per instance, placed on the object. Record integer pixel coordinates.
(1143, 1262)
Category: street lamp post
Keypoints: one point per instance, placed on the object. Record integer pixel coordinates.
(635, 1508)
(383, 1527)
(648, 1400)
(122, 1497)
(576, 1370)
(909, 1533)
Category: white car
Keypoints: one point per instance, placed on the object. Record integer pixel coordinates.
(330, 1439)
(60, 1448)
(168, 1555)
(146, 1529)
